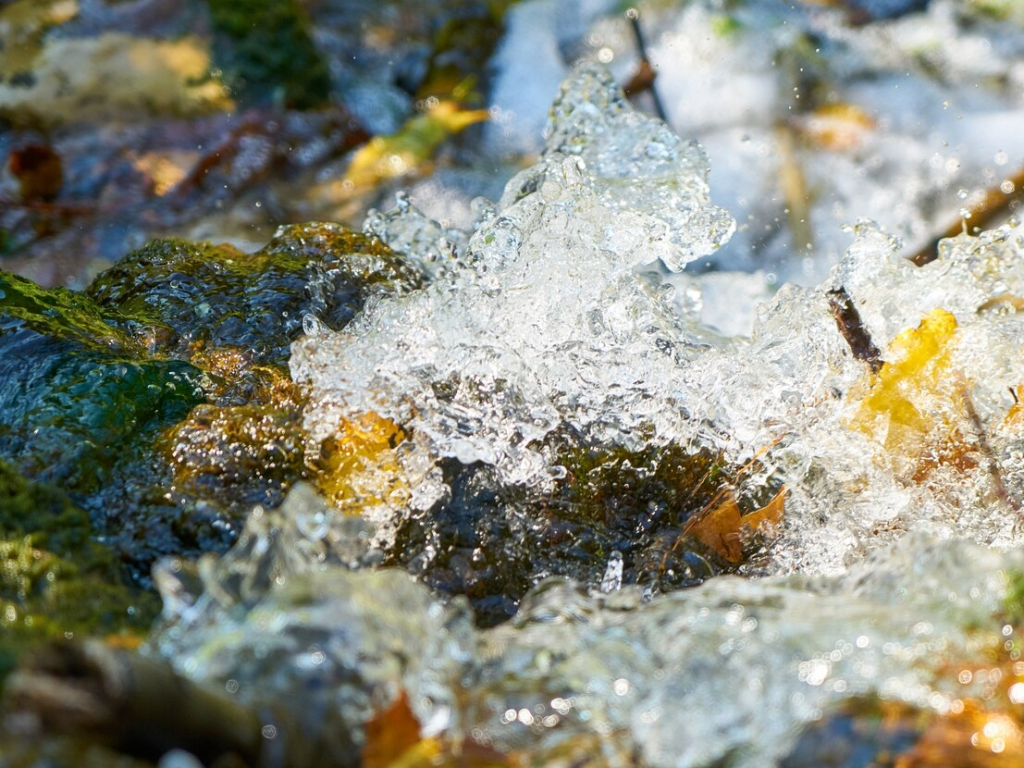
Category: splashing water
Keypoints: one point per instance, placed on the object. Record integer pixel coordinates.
(542, 320)
(885, 398)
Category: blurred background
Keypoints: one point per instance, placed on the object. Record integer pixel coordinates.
(220, 119)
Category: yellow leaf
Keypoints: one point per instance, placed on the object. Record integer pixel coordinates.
(915, 406)
(897, 406)
(124, 641)
(407, 150)
(359, 468)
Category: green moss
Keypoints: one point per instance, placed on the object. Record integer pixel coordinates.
(215, 296)
(55, 581)
(159, 397)
(267, 54)
(61, 314)
(40, 512)
(77, 385)
(462, 46)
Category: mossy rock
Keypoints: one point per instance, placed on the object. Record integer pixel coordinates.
(217, 297)
(55, 580)
(159, 397)
(78, 388)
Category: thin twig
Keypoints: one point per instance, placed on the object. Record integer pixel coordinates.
(645, 75)
(852, 329)
(995, 473)
(994, 202)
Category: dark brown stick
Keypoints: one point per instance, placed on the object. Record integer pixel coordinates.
(852, 329)
(643, 80)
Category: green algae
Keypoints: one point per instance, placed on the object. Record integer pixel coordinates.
(461, 47)
(62, 314)
(216, 297)
(267, 53)
(55, 580)
(77, 387)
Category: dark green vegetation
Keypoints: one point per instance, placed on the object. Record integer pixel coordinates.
(78, 387)
(266, 52)
(461, 47)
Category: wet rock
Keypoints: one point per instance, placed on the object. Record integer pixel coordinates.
(615, 518)
(55, 580)
(158, 396)
(217, 297)
(77, 390)
(268, 54)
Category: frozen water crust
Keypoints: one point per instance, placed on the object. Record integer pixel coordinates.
(541, 321)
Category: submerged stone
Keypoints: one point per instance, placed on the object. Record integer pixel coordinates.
(615, 518)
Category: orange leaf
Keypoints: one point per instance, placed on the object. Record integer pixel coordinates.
(771, 513)
(720, 528)
(390, 733)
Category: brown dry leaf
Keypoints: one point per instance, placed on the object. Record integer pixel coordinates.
(39, 171)
(720, 528)
(973, 739)
(390, 734)
(771, 513)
